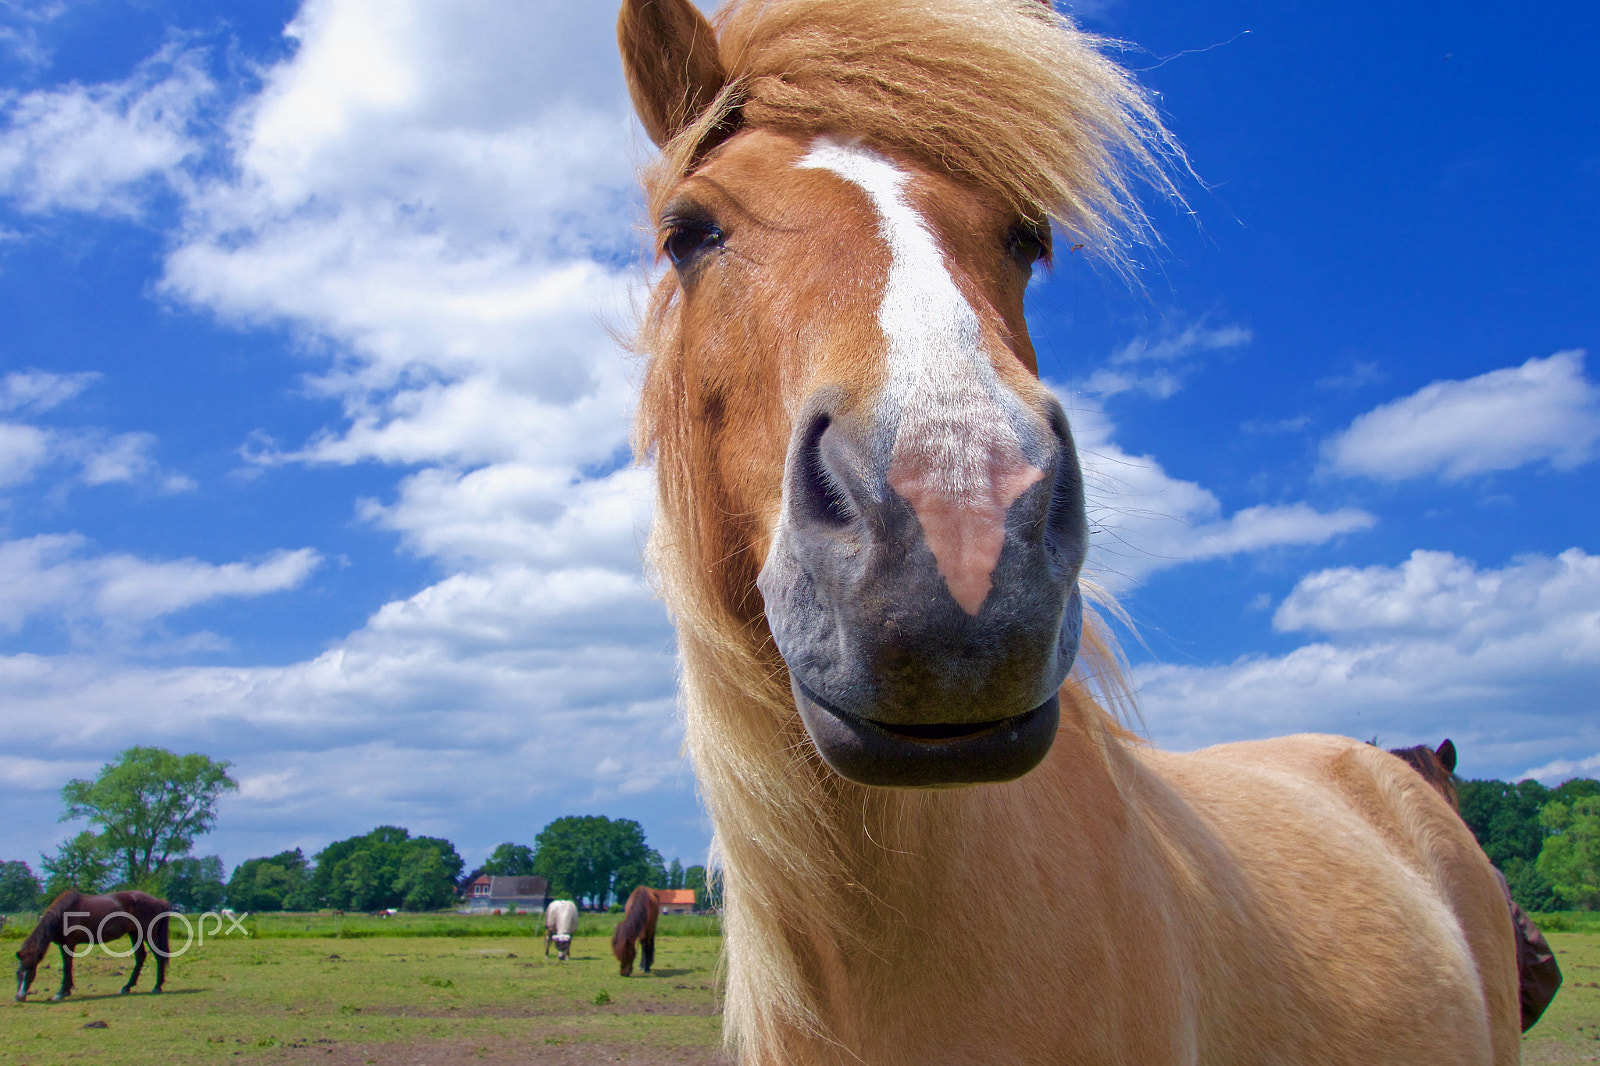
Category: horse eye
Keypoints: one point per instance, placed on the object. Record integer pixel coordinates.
(1029, 243)
(688, 238)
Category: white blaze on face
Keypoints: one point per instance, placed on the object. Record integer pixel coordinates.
(956, 458)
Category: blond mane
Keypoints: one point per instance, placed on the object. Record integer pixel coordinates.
(1004, 96)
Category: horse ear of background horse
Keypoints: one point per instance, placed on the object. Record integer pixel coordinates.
(669, 56)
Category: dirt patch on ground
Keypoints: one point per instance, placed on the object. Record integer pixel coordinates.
(515, 1052)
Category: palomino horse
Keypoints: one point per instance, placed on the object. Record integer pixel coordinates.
(76, 919)
(638, 926)
(560, 919)
(869, 531)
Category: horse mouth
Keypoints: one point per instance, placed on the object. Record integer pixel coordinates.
(934, 755)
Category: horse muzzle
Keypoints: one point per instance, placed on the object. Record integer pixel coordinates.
(928, 618)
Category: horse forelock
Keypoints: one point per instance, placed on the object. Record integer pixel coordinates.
(999, 94)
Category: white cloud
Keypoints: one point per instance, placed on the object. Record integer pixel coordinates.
(438, 200)
(40, 390)
(50, 575)
(95, 148)
(1553, 773)
(512, 513)
(23, 449)
(1506, 662)
(1156, 364)
(1542, 411)
(1145, 520)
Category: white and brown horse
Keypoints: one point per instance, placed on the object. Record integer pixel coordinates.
(869, 533)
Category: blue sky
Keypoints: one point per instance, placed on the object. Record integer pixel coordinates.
(311, 419)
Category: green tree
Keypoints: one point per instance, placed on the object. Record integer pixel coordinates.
(675, 874)
(272, 883)
(81, 863)
(1570, 792)
(1571, 855)
(596, 859)
(509, 860)
(695, 877)
(387, 867)
(149, 806)
(19, 889)
(1505, 818)
(193, 885)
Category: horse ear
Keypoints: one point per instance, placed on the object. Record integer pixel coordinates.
(1447, 755)
(669, 54)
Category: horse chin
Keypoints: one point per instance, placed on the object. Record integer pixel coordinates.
(886, 755)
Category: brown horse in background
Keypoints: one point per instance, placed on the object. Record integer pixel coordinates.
(870, 528)
(638, 926)
(1538, 973)
(75, 919)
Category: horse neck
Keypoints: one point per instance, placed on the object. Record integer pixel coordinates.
(823, 876)
(48, 929)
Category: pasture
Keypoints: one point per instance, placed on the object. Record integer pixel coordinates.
(452, 989)
(434, 989)
(443, 989)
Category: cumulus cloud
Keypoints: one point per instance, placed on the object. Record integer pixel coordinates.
(1145, 520)
(438, 202)
(1504, 661)
(98, 148)
(51, 574)
(1545, 410)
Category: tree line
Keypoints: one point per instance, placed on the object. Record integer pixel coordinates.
(146, 809)
(1545, 840)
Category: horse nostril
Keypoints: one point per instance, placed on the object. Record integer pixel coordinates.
(819, 498)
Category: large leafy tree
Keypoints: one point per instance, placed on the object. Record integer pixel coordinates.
(387, 867)
(1505, 818)
(149, 806)
(192, 884)
(81, 863)
(509, 860)
(279, 882)
(595, 859)
(19, 889)
(1571, 855)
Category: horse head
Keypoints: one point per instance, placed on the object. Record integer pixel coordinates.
(27, 963)
(624, 951)
(844, 390)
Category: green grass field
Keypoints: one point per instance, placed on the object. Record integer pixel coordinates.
(310, 988)
(379, 999)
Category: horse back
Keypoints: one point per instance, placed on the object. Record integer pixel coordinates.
(1343, 894)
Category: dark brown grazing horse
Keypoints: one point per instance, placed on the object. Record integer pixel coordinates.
(638, 925)
(1538, 974)
(76, 919)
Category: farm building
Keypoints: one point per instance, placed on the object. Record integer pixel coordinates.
(676, 900)
(523, 895)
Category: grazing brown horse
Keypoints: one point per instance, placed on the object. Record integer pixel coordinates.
(75, 919)
(869, 532)
(638, 926)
